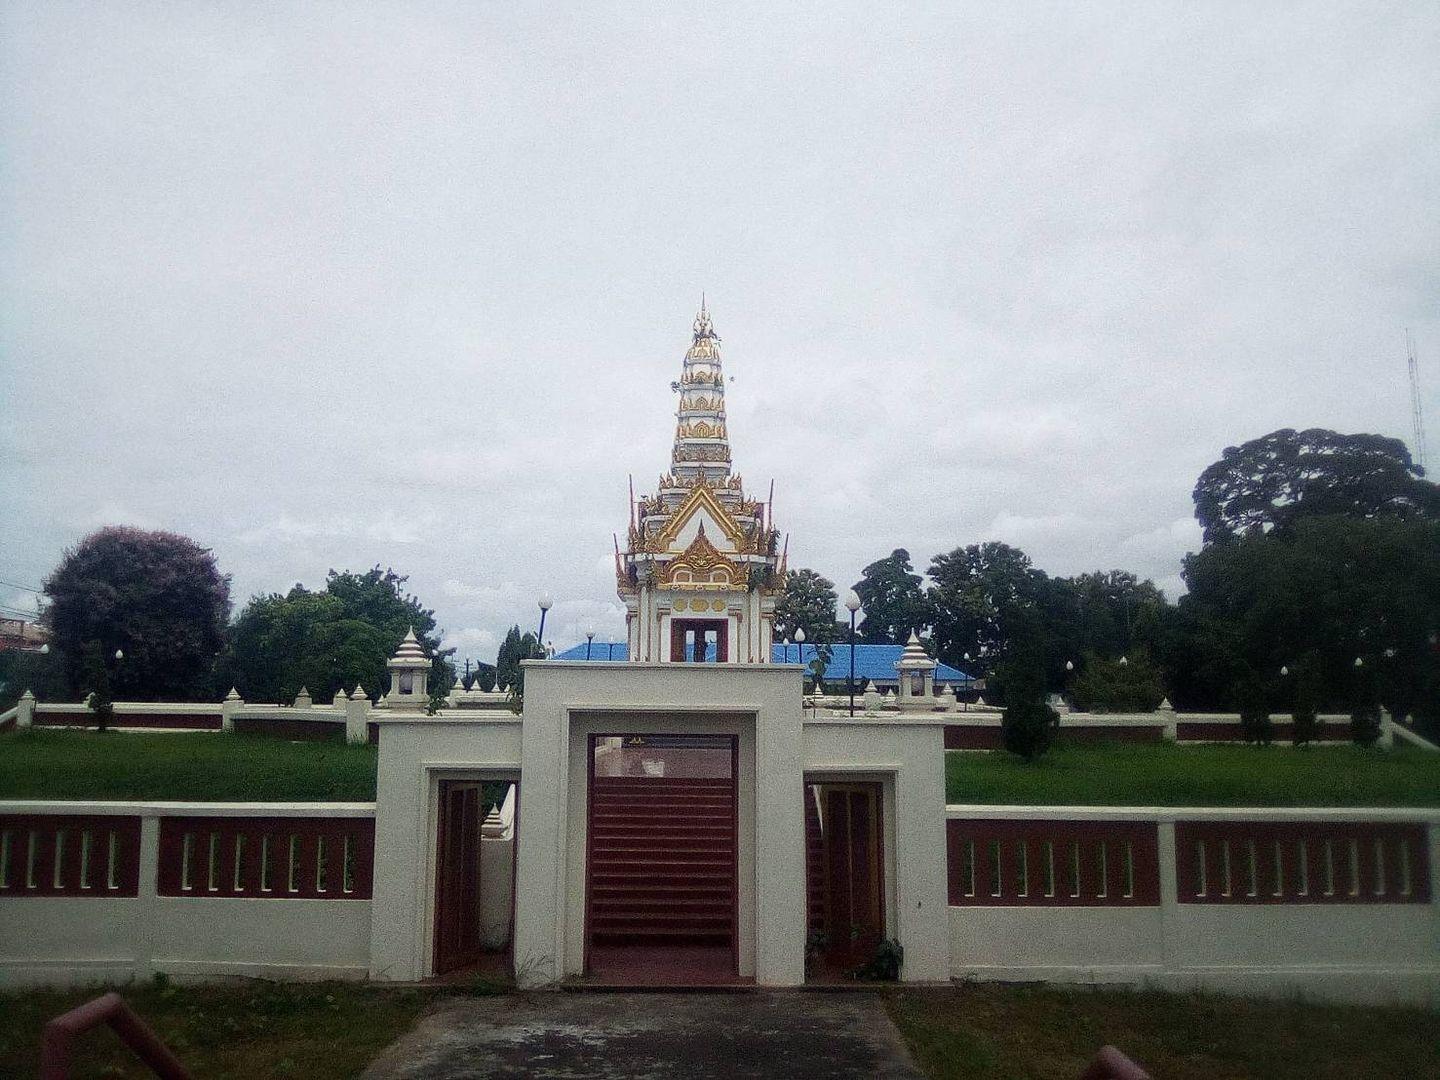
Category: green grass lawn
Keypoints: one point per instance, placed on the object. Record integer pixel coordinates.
(206, 766)
(318, 1031)
(1141, 774)
(997, 1032)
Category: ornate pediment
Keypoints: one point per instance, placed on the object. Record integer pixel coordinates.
(700, 500)
(702, 566)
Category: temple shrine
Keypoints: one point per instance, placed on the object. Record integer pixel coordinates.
(700, 573)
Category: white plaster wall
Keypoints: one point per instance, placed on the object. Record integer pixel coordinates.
(565, 699)
(908, 757)
(497, 877)
(415, 753)
(62, 940)
(76, 940)
(1088, 943)
(1352, 952)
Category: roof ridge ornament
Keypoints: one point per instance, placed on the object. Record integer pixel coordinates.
(703, 329)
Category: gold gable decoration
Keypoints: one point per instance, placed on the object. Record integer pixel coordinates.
(702, 566)
(699, 496)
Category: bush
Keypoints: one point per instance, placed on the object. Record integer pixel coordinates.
(884, 965)
(1255, 722)
(1365, 725)
(1306, 712)
(1106, 685)
(1027, 728)
(1307, 724)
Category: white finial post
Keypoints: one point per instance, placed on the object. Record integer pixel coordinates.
(409, 674)
(357, 714)
(916, 671)
(232, 704)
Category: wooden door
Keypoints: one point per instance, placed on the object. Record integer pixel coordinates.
(851, 881)
(457, 875)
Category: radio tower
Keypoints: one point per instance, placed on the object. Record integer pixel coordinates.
(1417, 416)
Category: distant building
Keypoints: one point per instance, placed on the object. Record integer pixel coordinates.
(22, 635)
(873, 663)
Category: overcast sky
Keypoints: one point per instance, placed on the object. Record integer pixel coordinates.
(336, 285)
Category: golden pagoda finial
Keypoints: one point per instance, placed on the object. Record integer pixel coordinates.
(703, 329)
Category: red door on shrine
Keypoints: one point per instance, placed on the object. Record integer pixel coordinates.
(457, 872)
(696, 641)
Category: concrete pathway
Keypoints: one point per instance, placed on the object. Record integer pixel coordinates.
(696, 1036)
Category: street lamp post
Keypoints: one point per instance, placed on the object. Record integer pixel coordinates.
(852, 605)
(589, 639)
(545, 605)
(800, 653)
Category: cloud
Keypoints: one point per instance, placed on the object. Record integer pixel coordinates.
(409, 288)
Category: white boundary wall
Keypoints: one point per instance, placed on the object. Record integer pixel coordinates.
(76, 940)
(1345, 951)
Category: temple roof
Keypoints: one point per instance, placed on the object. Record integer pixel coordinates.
(873, 662)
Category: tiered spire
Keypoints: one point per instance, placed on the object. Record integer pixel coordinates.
(702, 445)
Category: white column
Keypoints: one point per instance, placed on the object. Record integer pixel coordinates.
(779, 846)
(1432, 832)
(147, 921)
(25, 716)
(1169, 896)
(228, 708)
(357, 712)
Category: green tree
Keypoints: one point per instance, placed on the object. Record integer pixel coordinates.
(893, 601)
(809, 603)
(157, 596)
(330, 640)
(1335, 587)
(1305, 708)
(1279, 478)
(1028, 724)
(95, 666)
(22, 670)
(979, 595)
(509, 675)
(1254, 696)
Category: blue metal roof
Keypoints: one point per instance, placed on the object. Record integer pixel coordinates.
(873, 662)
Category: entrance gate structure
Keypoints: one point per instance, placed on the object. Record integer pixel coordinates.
(629, 870)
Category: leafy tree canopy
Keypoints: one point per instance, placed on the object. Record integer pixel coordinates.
(157, 596)
(807, 602)
(893, 602)
(1332, 588)
(978, 594)
(1272, 481)
(330, 640)
(515, 648)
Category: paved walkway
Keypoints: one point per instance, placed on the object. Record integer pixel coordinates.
(696, 1036)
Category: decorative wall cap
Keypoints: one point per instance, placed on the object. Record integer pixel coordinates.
(410, 654)
(915, 658)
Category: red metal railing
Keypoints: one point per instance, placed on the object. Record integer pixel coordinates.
(79, 855)
(1042, 863)
(1111, 1064)
(1301, 862)
(267, 857)
(108, 1009)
